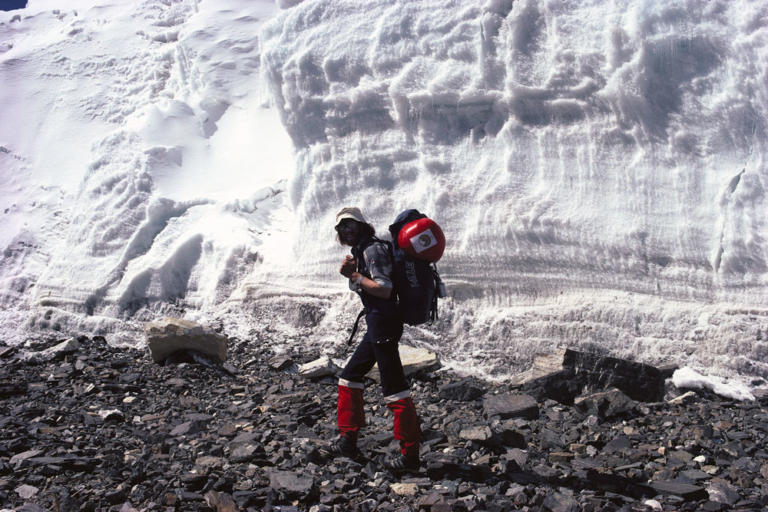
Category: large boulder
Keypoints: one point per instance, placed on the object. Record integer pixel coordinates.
(173, 334)
(413, 359)
(564, 374)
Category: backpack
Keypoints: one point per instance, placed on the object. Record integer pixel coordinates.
(416, 281)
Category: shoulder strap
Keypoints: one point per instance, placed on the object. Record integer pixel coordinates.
(354, 328)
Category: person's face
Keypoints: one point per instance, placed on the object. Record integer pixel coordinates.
(348, 230)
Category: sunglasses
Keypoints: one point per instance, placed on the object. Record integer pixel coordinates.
(346, 226)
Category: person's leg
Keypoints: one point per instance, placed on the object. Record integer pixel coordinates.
(397, 394)
(350, 413)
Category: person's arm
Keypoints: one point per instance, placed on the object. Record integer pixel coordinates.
(376, 289)
(371, 286)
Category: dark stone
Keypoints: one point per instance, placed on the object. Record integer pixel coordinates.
(610, 483)
(130, 378)
(301, 487)
(557, 502)
(509, 405)
(115, 497)
(441, 470)
(220, 502)
(244, 498)
(618, 444)
(193, 481)
(464, 391)
(280, 363)
(550, 441)
(605, 404)
(429, 500)
(8, 390)
(188, 428)
(686, 491)
(79, 464)
(560, 386)
(510, 436)
(722, 492)
(63, 502)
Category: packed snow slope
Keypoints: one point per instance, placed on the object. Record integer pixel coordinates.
(140, 161)
(597, 168)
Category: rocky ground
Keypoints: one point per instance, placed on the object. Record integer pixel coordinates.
(99, 428)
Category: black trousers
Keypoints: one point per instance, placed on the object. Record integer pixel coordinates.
(387, 330)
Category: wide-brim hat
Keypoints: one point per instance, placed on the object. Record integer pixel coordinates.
(350, 212)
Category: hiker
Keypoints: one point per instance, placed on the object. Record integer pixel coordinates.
(369, 270)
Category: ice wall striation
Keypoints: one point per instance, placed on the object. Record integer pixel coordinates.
(598, 168)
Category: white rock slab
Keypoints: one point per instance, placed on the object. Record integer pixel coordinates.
(318, 368)
(65, 347)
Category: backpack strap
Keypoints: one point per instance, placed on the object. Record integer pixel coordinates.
(354, 328)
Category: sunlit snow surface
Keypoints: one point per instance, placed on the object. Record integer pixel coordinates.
(141, 163)
(597, 167)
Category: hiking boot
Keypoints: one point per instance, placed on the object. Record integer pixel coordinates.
(342, 447)
(400, 463)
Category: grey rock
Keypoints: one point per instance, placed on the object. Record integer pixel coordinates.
(509, 405)
(463, 391)
(722, 492)
(293, 485)
(686, 491)
(25, 455)
(510, 435)
(26, 491)
(557, 502)
(605, 404)
(618, 444)
(319, 368)
(245, 452)
(243, 439)
(480, 434)
(188, 428)
(64, 348)
(173, 334)
(281, 362)
(550, 441)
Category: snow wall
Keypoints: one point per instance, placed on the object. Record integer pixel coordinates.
(597, 167)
